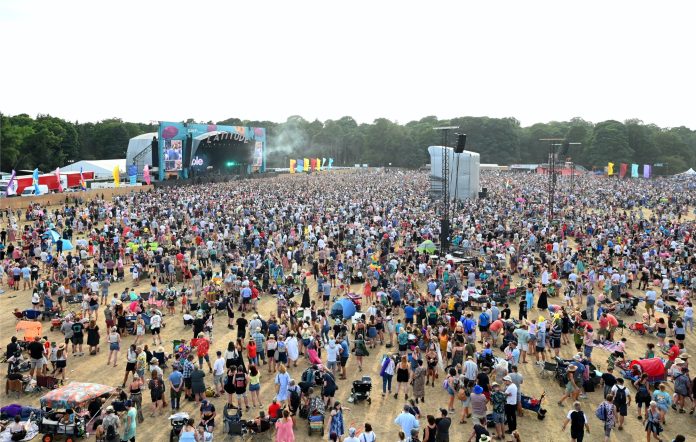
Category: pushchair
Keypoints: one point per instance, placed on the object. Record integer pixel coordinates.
(178, 421)
(361, 390)
(233, 424)
(315, 416)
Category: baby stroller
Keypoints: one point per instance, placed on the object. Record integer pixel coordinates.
(315, 416)
(311, 377)
(233, 424)
(561, 371)
(178, 421)
(361, 390)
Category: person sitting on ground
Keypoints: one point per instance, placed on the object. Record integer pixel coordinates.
(259, 424)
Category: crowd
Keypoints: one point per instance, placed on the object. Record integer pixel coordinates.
(446, 328)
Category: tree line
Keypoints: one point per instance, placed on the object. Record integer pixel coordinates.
(47, 142)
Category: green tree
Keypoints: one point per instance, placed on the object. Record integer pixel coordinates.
(609, 144)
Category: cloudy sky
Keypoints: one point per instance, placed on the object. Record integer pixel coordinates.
(209, 60)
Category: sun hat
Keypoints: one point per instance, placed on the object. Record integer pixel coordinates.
(572, 368)
(679, 361)
(110, 409)
(478, 389)
(507, 378)
(484, 438)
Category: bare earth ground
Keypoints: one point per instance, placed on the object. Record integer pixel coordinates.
(380, 413)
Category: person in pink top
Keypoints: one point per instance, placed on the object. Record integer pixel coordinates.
(284, 431)
(613, 323)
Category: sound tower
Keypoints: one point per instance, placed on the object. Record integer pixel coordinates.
(155, 152)
(188, 146)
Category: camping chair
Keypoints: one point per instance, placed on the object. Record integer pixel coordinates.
(621, 326)
(548, 369)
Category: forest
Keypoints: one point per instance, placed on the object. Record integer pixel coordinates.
(48, 142)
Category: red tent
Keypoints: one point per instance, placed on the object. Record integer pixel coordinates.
(654, 368)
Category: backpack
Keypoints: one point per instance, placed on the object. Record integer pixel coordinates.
(620, 396)
(111, 433)
(239, 381)
(601, 412)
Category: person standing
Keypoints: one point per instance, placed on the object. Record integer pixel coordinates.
(130, 424)
(284, 430)
(510, 404)
(418, 382)
(176, 386)
(498, 401)
(443, 425)
(622, 400)
(406, 421)
(578, 423)
(219, 373)
(652, 422)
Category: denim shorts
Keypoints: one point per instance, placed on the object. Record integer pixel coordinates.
(254, 387)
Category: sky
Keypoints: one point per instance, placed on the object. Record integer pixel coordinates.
(536, 61)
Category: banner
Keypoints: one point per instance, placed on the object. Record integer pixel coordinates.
(313, 164)
(622, 170)
(610, 169)
(330, 163)
(634, 171)
(146, 174)
(12, 184)
(293, 166)
(60, 186)
(83, 184)
(300, 164)
(318, 164)
(647, 168)
(35, 180)
(323, 163)
(306, 164)
(117, 176)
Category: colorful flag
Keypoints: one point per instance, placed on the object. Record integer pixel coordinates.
(647, 169)
(622, 170)
(12, 184)
(330, 163)
(634, 171)
(313, 164)
(83, 184)
(293, 166)
(323, 163)
(306, 164)
(318, 163)
(300, 164)
(146, 174)
(610, 169)
(117, 176)
(37, 189)
(60, 186)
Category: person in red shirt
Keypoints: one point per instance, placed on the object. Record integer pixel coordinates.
(273, 409)
(672, 354)
(252, 353)
(202, 345)
(495, 328)
(603, 331)
(613, 323)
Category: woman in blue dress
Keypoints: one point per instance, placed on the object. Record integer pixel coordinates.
(282, 380)
(336, 425)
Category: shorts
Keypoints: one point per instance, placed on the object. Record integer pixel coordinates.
(483, 329)
(37, 363)
(254, 387)
(477, 417)
(588, 351)
(524, 347)
(241, 392)
(643, 399)
(114, 346)
(555, 342)
(246, 300)
(680, 337)
(130, 366)
(344, 361)
(155, 331)
(77, 339)
(402, 347)
(187, 383)
(498, 418)
(218, 379)
(331, 365)
(623, 409)
(569, 388)
(540, 349)
(94, 308)
(61, 363)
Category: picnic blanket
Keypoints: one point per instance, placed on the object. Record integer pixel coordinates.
(32, 431)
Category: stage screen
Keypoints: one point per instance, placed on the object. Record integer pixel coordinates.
(218, 146)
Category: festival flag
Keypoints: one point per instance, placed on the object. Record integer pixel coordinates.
(330, 163)
(647, 168)
(610, 169)
(306, 164)
(318, 163)
(83, 184)
(60, 186)
(117, 176)
(300, 164)
(12, 184)
(35, 180)
(146, 174)
(293, 166)
(323, 163)
(622, 170)
(634, 171)
(312, 164)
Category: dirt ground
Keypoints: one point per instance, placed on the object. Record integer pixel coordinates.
(380, 413)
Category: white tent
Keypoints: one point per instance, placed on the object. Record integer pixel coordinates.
(101, 168)
(689, 172)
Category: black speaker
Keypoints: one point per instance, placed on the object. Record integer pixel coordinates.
(483, 193)
(155, 152)
(461, 143)
(445, 233)
(187, 150)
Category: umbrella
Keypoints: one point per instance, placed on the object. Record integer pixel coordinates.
(427, 246)
(74, 394)
(520, 200)
(55, 236)
(67, 245)
(343, 308)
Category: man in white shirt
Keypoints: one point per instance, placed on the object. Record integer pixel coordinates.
(155, 324)
(219, 373)
(510, 404)
(470, 369)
